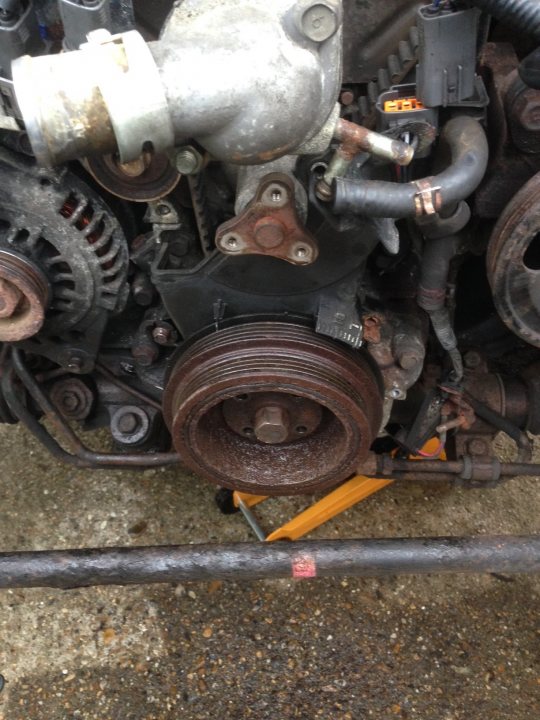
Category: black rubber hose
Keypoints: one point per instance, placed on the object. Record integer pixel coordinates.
(524, 15)
(436, 259)
(469, 150)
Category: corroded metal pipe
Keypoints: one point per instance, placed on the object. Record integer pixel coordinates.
(354, 139)
(251, 561)
(467, 142)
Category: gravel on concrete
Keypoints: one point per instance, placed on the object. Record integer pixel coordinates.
(433, 647)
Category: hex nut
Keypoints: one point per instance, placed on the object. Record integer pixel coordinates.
(188, 161)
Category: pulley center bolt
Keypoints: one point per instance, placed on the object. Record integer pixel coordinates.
(10, 297)
(272, 424)
(269, 233)
(70, 401)
(137, 167)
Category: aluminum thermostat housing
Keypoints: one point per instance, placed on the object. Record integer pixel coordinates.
(251, 81)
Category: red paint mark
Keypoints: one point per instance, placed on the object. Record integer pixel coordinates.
(304, 566)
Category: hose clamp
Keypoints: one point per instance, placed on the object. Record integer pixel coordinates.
(428, 199)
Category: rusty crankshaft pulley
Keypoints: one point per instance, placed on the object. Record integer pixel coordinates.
(272, 408)
(513, 263)
(24, 293)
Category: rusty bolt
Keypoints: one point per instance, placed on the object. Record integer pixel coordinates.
(372, 329)
(162, 335)
(347, 97)
(272, 424)
(269, 233)
(10, 297)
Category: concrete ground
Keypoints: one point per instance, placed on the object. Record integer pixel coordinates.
(433, 648)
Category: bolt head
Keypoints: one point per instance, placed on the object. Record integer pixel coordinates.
(188, 161)
(231, 244)
(301, 252)
(272, 424)
(395, 394)
(162, 335)
(319, 22)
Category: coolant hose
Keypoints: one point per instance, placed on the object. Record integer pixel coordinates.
(524, 15)
(438, 254)
(469, 151)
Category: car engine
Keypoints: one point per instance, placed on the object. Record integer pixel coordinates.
(279, 242)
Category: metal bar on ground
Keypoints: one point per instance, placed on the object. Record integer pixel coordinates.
(250, 561)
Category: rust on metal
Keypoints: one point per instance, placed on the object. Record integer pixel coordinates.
(355, 138)
(428, 199)
(146, 179)
(79, 456)
(372, 328)
(509, 120)
(513, 263)
(270, 226)
(250, 561)
(338, 416)
(24, 295)
(272, 417)
(72, 397)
